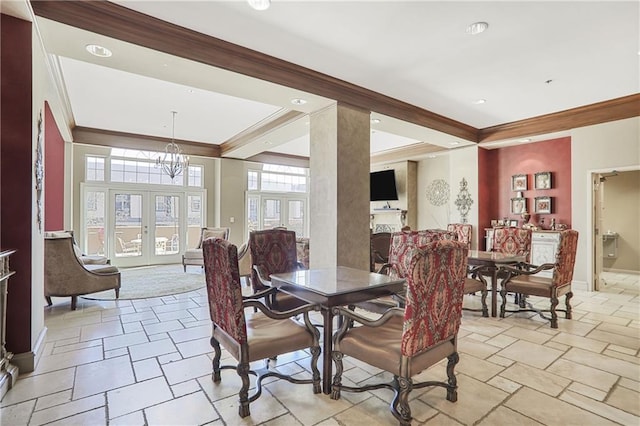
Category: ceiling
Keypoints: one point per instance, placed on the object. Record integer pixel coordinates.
(535, 58)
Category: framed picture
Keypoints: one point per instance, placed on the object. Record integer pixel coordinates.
(494, 223)
(513, 223)
(542, 180)
(518, 205)
(543, 205)
(519, 182)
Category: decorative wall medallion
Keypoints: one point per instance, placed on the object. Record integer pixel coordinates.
(38, 168)
(438, 192)
(463, 201)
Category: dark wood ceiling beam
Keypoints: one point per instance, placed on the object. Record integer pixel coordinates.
(601, 112)
(124, 24)
(112, 139)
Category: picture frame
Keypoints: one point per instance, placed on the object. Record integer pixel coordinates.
(542, 180)
(518, 205)
(494, 223)
(542, 205)
(513, 223)
(519, 182)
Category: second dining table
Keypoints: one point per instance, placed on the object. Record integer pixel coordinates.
(491, 261)
(330, 287)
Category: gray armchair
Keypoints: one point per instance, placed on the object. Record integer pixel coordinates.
(194, 256)
(66, 275)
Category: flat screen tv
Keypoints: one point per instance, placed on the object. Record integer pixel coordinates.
(383, 186)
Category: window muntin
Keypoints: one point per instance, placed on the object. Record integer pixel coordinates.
(94, 169)
(134, 166)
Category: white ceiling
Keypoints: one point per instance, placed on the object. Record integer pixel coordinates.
(415, 51)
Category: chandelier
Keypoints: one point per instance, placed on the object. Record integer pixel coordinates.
(173, 162)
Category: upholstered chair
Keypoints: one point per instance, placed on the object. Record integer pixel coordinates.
(512, 241)
(194, 256)
(302, 251)
(273, 251)
(401, 249)
(463, 230)
(380, 243)
(65, 274)
(522, 280)
(244, 262)
(252, 336)
(407, 341)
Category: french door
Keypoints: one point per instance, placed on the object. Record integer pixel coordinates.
(267, 211)
(139, 227)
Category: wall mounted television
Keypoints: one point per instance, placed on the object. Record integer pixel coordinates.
(383, 186)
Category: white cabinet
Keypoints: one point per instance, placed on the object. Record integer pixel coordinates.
(544, 248)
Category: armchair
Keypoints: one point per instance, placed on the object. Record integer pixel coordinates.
(380, 243)
(250, 338)
(194, 256)
(406, 342)
(273, 251)
(65, 274)
(244, 262)
(463, 230)
(522, 280)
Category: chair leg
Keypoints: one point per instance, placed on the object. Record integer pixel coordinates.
(452, 387)
(503, 306)
(117, 293)
(74, 302)
(485, 310)
(216, 360)
(315, 373)
(337, 378)
(48, 299)
(400, 404)
(554, 314)
(243, 372)
(567, 304)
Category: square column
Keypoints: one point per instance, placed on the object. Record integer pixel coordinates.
(339, 197)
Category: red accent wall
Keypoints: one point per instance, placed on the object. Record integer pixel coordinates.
(53, 173)
(499, 165)
(16, 174)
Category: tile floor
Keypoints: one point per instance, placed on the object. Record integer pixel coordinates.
(148, 362)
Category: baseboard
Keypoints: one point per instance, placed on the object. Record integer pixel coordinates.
(27, 361)
(580, 286)
(621, 271)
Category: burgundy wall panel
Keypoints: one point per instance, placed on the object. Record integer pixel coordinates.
(53, 173)
(16, 170)
(554, 156)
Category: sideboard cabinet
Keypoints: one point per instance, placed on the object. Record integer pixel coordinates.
(544, 248)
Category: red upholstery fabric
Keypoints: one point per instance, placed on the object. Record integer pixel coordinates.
(435, 288)
(223, 287)
(404, 243)
(566, 258)
(513, 241)
(275, 251)
(463, 230)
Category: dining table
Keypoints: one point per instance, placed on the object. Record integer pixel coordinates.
(490, 261)
(330, 287)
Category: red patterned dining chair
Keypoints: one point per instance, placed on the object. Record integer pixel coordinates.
(522, 280)
(407, 341)
(463, 230)
(252, 336)
(273, 251)
(512, 241)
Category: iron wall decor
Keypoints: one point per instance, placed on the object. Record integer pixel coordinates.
(463, 201)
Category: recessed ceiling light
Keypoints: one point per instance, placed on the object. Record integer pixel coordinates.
(454, 143)
(298, 101)
(480, 101)
(375, 120)
(524, 140)
(259, 4)
(477, 28)
(431, 156)
(97, 50)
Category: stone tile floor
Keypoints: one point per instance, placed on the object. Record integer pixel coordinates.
(148, 362)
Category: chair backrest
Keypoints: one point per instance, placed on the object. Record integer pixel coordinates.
(512, 241)
(205, 233)
(463, 230)
(274, 250)
(404, 243)
(223, 288)
(380, 244)
(435, 288)
(565, 258)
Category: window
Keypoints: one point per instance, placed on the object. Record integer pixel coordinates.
(195, 176)
(252, 180)
(132, 166)
(95, 169)
(275, 178)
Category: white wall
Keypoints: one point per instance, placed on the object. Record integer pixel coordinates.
(599, 148)
(451, 167)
